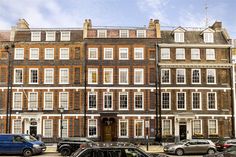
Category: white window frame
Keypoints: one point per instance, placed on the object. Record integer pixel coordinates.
(200, 101)
(210, 54)
(208, 37)
(136, 71)
(208, 71)
(21, 101)
(137, 51)
(66, 77)
(109, 94)
(22, 70)
(101, 33)
(215, 101)
(94, 136)
(127, 128)
(44, 101)
(180, 53)
(31, 51)
(92, 93)
(19, 54)
(195, 54)
(200, 125)
(110, 70)
(184, 70)
(127, 77)
(199, 70)
(30, 81)
(105, 51)
(46, 81)
(184, 101)
(169, 101)
(19, 125)
(90, 71)
(65, 35)
(35, 36)
(50, 36)
(216, 126)
(142, 94)
(165, 53)
(124, 93)
(170, 127)
(67, 128)
(67, 55)
(162, 71)
(135, 121)
(141, 33)
(179, 37)
(60, 103)
(48, 50)
(29, 101)
(121, 51)
(51, 128)
(95, 51)
(124, 33)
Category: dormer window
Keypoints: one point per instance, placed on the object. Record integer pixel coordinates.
(124, 33)
(208, 37)
(50, 36)
(101, 33)
(179, 37)
(141, 33)
(65, 36)
(179, 34)
(35, 36)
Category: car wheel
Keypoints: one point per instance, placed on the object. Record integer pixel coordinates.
(27, 153)
(65, 151)
(179, 152)
(210, 151)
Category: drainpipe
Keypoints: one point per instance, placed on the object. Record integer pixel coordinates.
(85, 88)
(232, 72)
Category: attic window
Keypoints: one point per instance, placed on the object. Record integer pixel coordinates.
(65, 36)
(101, 33)
(179, 37)
(124, 33)
(35, 36)
(208, 37)
(141, 33)
(50, 36)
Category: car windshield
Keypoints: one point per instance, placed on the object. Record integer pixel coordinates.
(29, 138)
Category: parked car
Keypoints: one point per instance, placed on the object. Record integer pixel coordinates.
(195, 146)
(222, 144)
(107, 150)
(228, 152)
(66, 146)
(20, 144)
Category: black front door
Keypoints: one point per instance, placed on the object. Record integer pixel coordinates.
(182, 132)
(33, 130)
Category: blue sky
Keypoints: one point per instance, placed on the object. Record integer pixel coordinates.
(71, 13)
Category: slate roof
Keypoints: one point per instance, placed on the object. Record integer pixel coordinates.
(191, 37)
(5, 35)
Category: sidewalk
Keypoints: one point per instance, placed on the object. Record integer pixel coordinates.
(151, 148)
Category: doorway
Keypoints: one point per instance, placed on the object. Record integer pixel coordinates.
(182, 131)
(33, 131)
(108, 129)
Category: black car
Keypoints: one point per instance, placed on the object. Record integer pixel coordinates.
(67, 146)
(229, 152)
(107, 150)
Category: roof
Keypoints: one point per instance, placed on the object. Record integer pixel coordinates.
(192, 37)
(5, 35)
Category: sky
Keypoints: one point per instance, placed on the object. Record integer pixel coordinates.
(72, 13)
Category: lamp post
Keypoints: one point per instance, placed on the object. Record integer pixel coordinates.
(61, 109)
(9, 87)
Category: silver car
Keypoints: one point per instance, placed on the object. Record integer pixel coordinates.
(195, 146)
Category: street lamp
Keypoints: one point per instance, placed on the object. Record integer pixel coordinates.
(9, 87)
(61, 109)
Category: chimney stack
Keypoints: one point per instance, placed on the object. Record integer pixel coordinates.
(87, 26)
(217, 26)
(22, 24)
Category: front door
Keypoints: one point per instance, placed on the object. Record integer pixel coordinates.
(33, 130)
(182, 131)
(107, 133)
(108, 129)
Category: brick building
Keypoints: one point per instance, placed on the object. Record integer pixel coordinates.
(118, 99)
